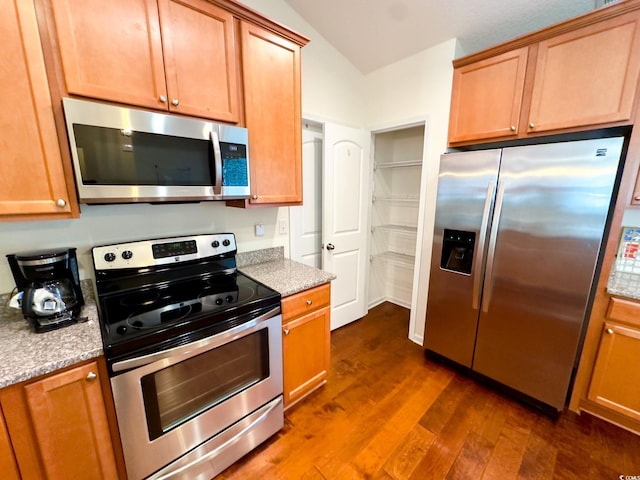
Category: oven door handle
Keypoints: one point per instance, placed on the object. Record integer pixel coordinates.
(192, 348)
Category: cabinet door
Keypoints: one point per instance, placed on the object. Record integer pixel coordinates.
(111, 50)
(200, 59)
(271, 76)
(31, 174)
(615, 383)
(305, 354)
(588, 76)
(71, 426)
(487, 97)
(8, 465)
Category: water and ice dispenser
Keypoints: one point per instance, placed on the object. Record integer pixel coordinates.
(457, 250)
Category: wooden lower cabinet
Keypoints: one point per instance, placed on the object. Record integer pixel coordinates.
(8, 465)
(615, 383)
(57, 427)
(306, 321)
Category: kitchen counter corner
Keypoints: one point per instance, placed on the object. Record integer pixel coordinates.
(286, 276)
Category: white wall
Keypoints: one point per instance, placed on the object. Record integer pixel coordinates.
(418, 87)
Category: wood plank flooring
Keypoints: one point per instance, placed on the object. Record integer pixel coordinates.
(387, 412)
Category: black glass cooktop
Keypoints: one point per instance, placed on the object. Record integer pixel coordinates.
(160, 316)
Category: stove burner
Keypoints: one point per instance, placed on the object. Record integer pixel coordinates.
(159, 316)
(140, 299)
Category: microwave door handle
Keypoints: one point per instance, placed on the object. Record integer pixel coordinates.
(217, 162)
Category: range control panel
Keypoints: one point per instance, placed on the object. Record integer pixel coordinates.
(163, 251)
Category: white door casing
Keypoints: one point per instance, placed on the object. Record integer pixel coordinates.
(346, 193)
(306, 220)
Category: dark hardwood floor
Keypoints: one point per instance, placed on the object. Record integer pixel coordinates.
(387, 412)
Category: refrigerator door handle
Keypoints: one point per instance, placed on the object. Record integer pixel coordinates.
(488, 284)
(477, 267)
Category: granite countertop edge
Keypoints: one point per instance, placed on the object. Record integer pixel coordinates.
(25, 355)
(270, 267)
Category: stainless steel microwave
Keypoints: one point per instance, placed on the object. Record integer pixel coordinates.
(124, 155)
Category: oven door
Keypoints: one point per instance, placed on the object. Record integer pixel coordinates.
(196, 395)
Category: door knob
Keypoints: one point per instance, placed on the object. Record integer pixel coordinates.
(330, 246)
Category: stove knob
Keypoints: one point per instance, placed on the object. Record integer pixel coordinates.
(122, 329)
(229, 298)
(215, 244)
(127, 254)
(109, 257)
(226, 242)
(218, 301)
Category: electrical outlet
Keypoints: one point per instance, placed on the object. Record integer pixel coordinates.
(283, 226)
(259, 230)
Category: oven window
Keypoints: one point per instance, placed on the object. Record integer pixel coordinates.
(109, 156)
(176, 394)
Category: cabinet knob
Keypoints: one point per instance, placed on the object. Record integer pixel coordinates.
(175, 102)
(254, 197)
(61, 202)
(637, 198)
(609, 331)
(91, 376)
(513, 128)
(286, 331)
(163, 98)
(532, 125)
(330, 246)
(309, 302)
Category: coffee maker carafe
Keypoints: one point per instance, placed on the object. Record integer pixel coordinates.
(49, 286)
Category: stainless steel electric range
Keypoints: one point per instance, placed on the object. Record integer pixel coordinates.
(194, 352)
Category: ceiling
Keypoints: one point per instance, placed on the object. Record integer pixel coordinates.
(375, 33)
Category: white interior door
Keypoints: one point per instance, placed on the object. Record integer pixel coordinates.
(306, 220)
(346, 195)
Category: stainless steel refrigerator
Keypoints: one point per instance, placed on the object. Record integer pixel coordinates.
(516, 244)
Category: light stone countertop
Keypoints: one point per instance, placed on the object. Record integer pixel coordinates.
(25, 354)
(286, 276)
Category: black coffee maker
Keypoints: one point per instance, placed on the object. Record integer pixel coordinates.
(49, 286)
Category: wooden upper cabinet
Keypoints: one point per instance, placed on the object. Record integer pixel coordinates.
(71, 426)
(587, 77)
(272, 96)
(200, 59)
(177, 55)
(487, 97)
(111, 50)
(577, 75)
(32, 178)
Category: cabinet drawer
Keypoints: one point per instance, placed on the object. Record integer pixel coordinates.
(626, 311)
(305, 301)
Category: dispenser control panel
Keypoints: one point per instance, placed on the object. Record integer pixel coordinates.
(457, 251)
